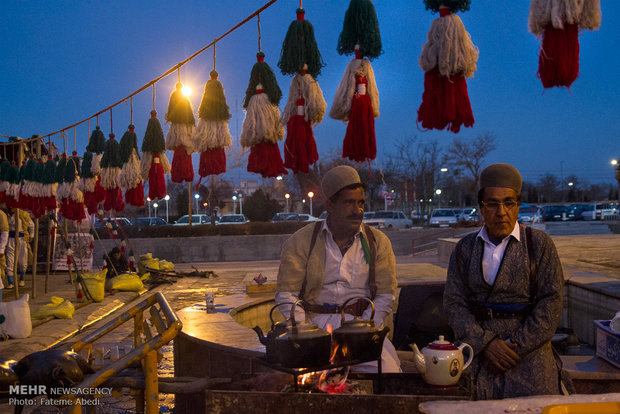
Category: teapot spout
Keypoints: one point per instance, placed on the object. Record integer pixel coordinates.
(261, 337)
(420, 363)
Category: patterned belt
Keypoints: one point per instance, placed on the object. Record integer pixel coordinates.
(357, 308)
(12, 234)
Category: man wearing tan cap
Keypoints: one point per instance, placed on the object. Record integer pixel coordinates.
(329, 262)
(503, 295)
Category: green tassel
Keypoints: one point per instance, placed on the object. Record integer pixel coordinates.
(453, 5)
(262, 73)
(4, 167)
(213, 106)
(76, 160)
(299, 48)
(12, 175)
(153, 136)
(179, 108)
(360, 27)
(60, 169)
(27, 172)
(39, 172)
(87, 163)
(111, 154)
(96, 143)
(129, 141)
(49, 172)
(70, 171)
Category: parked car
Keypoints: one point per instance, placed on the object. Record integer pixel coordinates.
(280, 217)
(323, 215)
(368, 215)
(122, 221)
(196, 219)
(468, 214)
(529, 214)
(443, 217)
(555, 213)
(601, 211)
(150, 221)
(301, 217)
(389, 219)
(233, 219)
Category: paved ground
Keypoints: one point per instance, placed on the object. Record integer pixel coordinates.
(581, 256)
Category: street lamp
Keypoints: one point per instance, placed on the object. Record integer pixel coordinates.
(310, 195)
(197, 197)
(205, 204)
(287, 196)
(234, 197)
(167, 198)
(148, 200)
(438, 192)
(155, 205)
(240, 196)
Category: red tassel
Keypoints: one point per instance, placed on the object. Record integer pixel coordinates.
(91, 202)
(50, 203)
(68, 260)
(114, 234)
(558, 63)
(157, 183)
(135, 196)
(79, 294)
(300, 148)
(52, 231)
(91, 246)
(122, 248)
(265, 159)
(182, 168)
(212, 161)
(72, 210)
(99, 190)
(113, 200)
(360, 142)
(445, 102)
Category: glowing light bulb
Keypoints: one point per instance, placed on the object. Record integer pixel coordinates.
(187, 91)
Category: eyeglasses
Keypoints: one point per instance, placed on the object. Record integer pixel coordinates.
(494, 205)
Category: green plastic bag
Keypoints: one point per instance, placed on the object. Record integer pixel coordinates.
(127, 281)
(58, 308)
(95, 283)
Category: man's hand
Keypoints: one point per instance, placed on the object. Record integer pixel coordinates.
(500, 356)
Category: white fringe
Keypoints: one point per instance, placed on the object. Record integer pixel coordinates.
(165, 164)
(261, 123)
(95, 166)
(449, 48)
(346, 89)
(145, 165)
(13, 190)
(314, 106)
(130, 173)
(70, 190)
(180, 134)
(110, 177)
(211, 134)
(87, 185)
(586, 13)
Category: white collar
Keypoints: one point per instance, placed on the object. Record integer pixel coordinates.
(484, 235)
(325, 227)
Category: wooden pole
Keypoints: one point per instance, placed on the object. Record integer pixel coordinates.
(66, 243)
(16, 253)
(50, 242)
(189, 206)
(35, 252)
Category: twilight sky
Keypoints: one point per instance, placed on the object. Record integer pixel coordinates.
(64, 61)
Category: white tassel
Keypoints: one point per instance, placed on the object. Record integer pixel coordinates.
(261, 123)
(130, 173)
(346, 89)
(110, 177)
(73, 191)
(449, 48)
(165, 164)
(314, 106)
(87, 185)
(210, 135)
(180, 134)
(95, 166)
(145, 165)
(586, 13)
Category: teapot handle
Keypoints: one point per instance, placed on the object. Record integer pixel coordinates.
(298, 302)
(274, 308)
(372, 305)
(471, 354)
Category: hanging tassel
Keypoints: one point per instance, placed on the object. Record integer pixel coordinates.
(69, 261)
(360, 29)
(50, 186)
(130, 178)
(154, 163)
(123, 246)
(212, 135)
(110, 176)
(180, 116)
(448, 57)
(91, 246)
(114, 234)
(69, 194)
(559, 23)
(80, 295)
(300, 49)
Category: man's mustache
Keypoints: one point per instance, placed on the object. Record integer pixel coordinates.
(355, 217)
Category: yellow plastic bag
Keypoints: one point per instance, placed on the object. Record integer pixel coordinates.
(147, 262)
(127, 281)
(95, 283)
(59, 308)
(166, 265)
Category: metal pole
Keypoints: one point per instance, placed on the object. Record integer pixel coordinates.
(287, 205)
(240, 205)
(189, 204)
(50, 241)
(35, 252)
(310, 205)
(167, 211)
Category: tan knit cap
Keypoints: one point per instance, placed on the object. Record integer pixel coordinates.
(501, 175)
(338, 178)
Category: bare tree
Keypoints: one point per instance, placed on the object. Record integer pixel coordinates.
(470, 154)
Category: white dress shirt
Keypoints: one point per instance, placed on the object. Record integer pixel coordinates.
(493, 255)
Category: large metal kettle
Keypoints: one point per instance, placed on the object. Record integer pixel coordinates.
(359, 339)
(296, 344)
